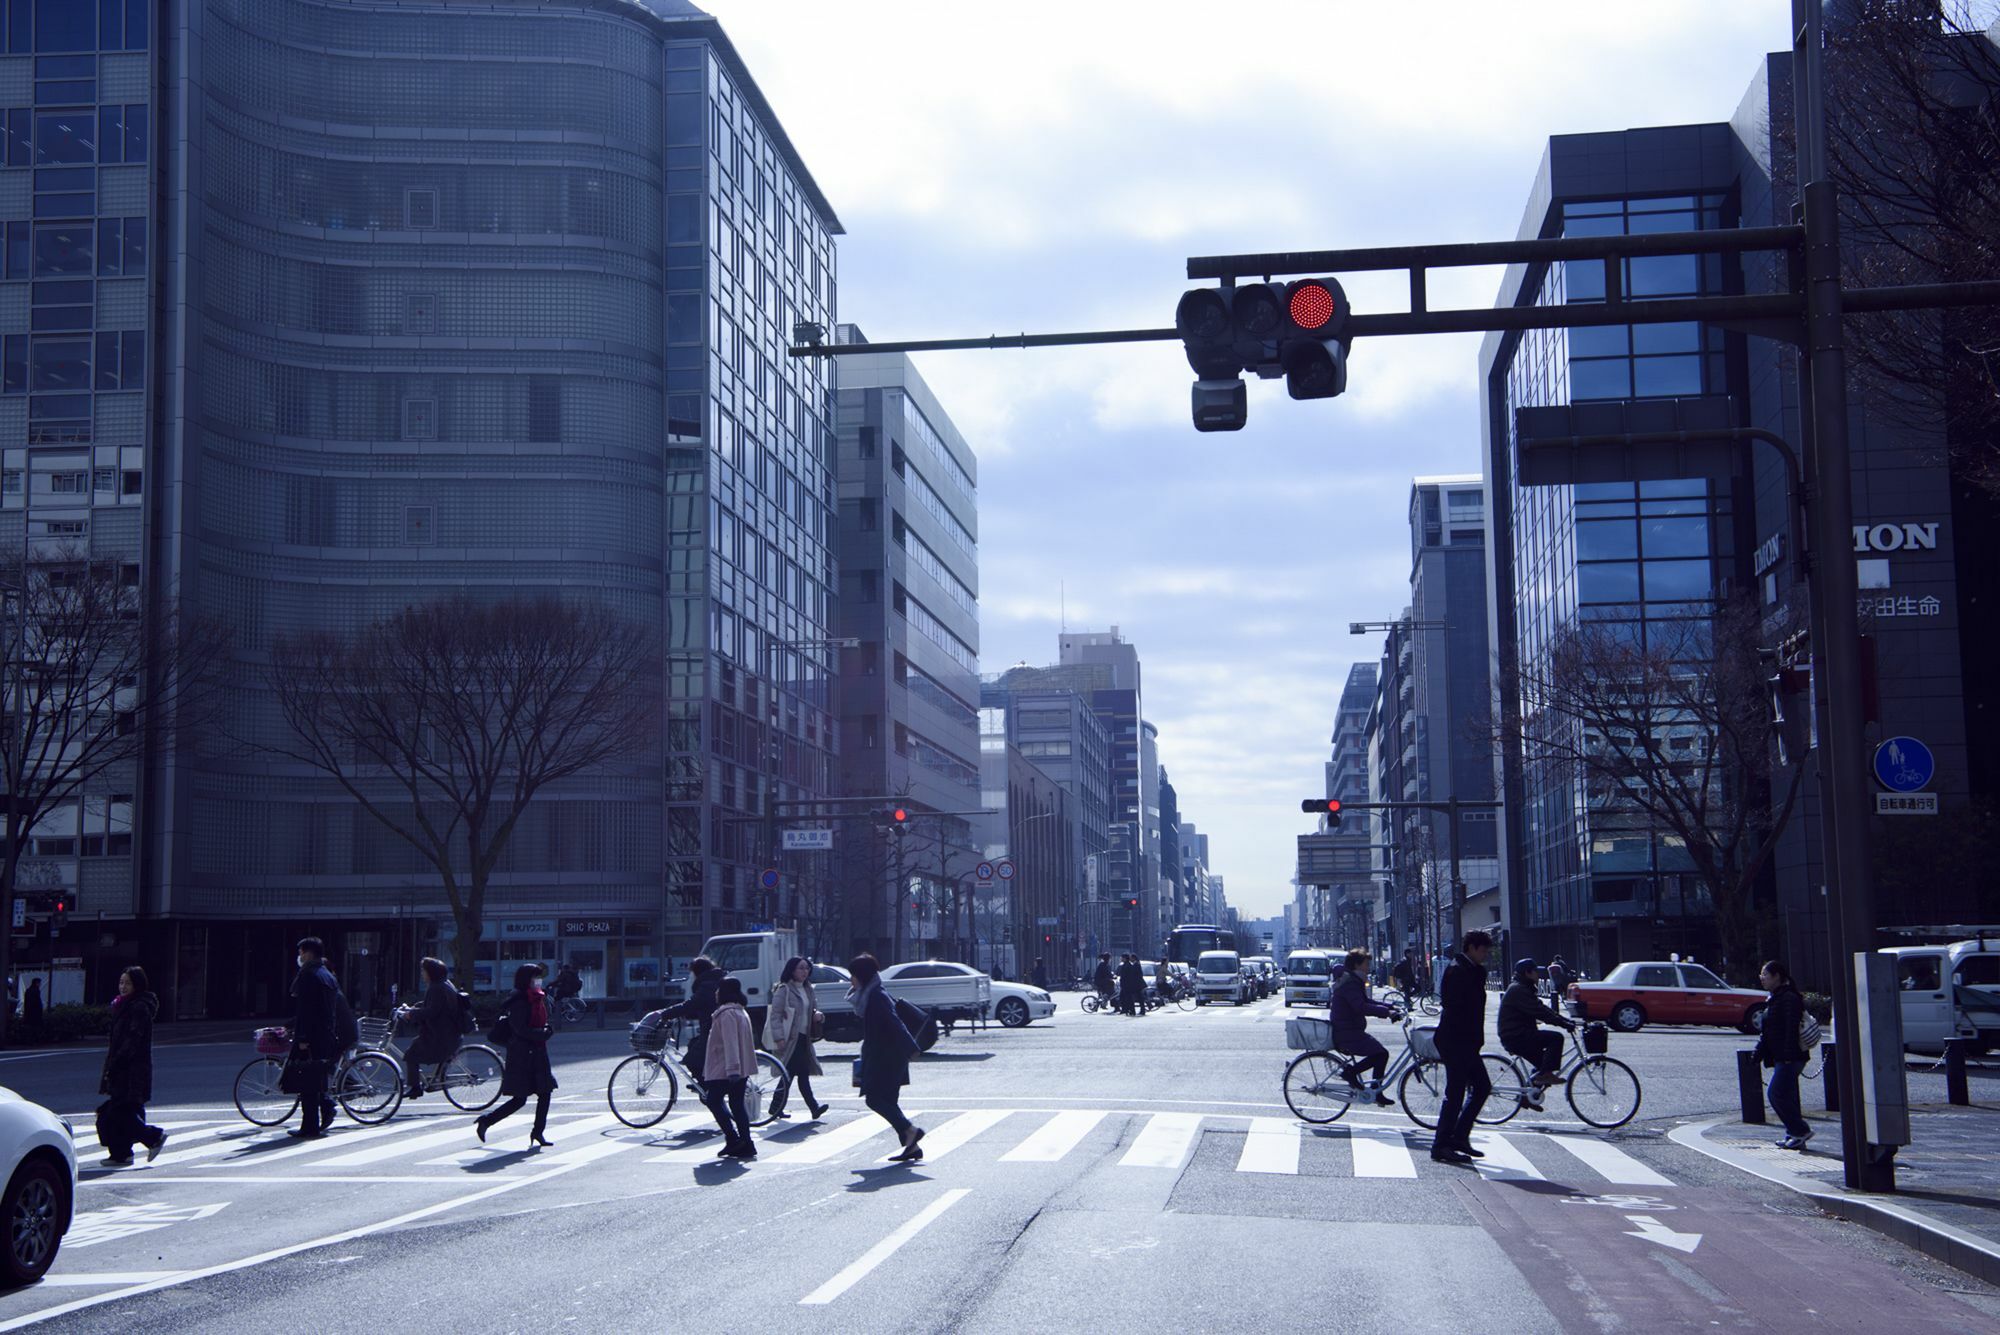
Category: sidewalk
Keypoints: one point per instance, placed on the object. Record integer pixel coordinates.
(1947, 1202)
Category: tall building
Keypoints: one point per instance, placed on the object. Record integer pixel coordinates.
(1131, 866)
(907, 698)
(1336, 900)
(1173, 901)
(1030, 821)
(488, 298)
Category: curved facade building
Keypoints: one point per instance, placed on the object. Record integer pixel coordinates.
(486, 296)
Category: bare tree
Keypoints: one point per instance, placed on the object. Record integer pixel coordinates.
(1672, 741)
(444, 721)
(88, 675)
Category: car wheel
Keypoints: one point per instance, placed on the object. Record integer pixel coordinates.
(1628, 1017)
(1013, 1013)
(34, 1209)
(1753, 1019)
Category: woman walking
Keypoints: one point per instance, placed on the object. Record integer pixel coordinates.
(438, 1026)
(788, 1034)
(526, 1019)
(727, 1065)
(1778, 1048)
(128, 1074)
(886, 1048)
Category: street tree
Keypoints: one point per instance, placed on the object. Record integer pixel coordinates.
(446, 720)
(1671, 742)
(91, 672)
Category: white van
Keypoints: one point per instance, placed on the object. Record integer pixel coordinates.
(1218, 976)
(1949, 992)
(1308, 978)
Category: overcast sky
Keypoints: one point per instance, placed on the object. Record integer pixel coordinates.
(1042, 167)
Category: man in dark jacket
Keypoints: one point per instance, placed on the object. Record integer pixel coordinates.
(314, 1037)
(1039, 975)
(440, 1025)
(1778, 1048)
(704, 977)
(1101, 980)
(1522, 1012)
(1350, 1008)
(1405, 972)
(1461, 1032)
(1131, 986)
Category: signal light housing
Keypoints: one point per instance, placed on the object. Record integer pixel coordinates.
(1328, 807)
(1297, 330)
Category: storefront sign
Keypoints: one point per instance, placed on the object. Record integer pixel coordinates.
(1772, 552)
(589, 926)
(527, 929)
(1900, 605)
(1895, 537)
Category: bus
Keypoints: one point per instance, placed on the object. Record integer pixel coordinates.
(1186, 943)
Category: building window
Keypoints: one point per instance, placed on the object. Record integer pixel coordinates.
(544, 407)
(420, 313)
(132, 481)
(10, 482)
(121, 359)
(67, 484)
(104, 479)
(420, 209)
(419, 525)
(419, 419)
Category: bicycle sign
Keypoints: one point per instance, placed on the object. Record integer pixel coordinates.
(1904, 764)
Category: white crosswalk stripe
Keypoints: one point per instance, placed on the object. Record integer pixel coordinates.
(1164, 1142)
(961, 1130)
(1057, 1137)
(1503, 1157)
(1381, 1152)
(1272, 1146)
(1614, 1164)
(847, 1136)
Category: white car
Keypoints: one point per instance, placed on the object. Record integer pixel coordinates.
(1016, 1004)
(1218, 976)
(38, 1150)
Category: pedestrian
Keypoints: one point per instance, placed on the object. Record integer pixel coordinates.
(1131, 986)
(1349, 1009)
(31, 1005)
(525, 1017)
(1101, 980)
(789, 1023)
(704, 977)
(127, 1084)
(1461, 1032)
(883, 1067)
(1039, 975)
(1405, 973)
(728, 1062)
(1558, 980)
(440, 1025)
(315, 1041)
(1778, 1048)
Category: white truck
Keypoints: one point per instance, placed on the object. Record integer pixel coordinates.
(755, 960)
(1950, 992)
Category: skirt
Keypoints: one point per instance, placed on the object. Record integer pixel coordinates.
(802, 1060)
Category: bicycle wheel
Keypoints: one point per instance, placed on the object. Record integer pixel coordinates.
(1090, 1004)
(1422, 1093)
(762, 1088)
(642, 1091)
(1315, 1089)
(1428, 1003)
(1604, 1092)
(472, 1078)
(258, 1097)
(1508, 1091)
(1185, 1001)
(370, 1088)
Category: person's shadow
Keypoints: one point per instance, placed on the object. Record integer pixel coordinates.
(887, 1175)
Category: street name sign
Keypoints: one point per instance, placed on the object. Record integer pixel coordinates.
(808, 841)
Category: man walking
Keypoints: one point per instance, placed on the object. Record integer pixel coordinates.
(1131, 987)
(315, 1043)
(1461, 1032)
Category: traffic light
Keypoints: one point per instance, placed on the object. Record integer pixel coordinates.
(58, 913)
(1790, 712)
(899, 820)
(1132, 902)
(1328, 807)
(1208, 335)
(1297, 330)
(1314, 351)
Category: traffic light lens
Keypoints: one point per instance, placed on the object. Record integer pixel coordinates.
(901, 814)
(1257, 311)
(1202, 314)
(1312, 306)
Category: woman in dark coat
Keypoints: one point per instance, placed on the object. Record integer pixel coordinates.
(439, 1028)
(886, 1048)
(704, 977)
(526, 1017)
(128, 1073)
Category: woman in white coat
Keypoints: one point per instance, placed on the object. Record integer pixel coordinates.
(788, 1034)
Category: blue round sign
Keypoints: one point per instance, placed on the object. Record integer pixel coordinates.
(769, 878)
(1904, 764)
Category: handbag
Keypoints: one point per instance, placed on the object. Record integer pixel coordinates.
(817, 1030)
(857, 1073)
(502, 1031)
(292, 1075)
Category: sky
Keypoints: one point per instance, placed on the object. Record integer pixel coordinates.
(1042, 167)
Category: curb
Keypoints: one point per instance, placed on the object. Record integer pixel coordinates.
(1954, 1246)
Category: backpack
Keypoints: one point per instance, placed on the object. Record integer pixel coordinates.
(346, 1029)
(467, 1021)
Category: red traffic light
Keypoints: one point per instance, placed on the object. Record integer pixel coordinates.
(1313, 304)
(899, 815)
(1316, 806)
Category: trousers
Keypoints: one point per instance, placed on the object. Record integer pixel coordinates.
(1465, 1089)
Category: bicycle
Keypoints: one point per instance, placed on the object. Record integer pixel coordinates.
(567, 1010)
(1095, 1002)
(366, 1084)
(644, 1086)
(1414, 1003)
(1321, 1084)
(470, 1077)
(1601, 1090)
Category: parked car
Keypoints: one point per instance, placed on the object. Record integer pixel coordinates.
(1308, 975)
(1218, 976)
(1642, 992)
(38, 1151)
(949, 991)
(830, 983)
(1017, 1004)
(1949, 992)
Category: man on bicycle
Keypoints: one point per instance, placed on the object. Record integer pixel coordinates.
(568, 983)
(1351, 1006)
(1102, 980)
(1521, 1011)
(1405, 973)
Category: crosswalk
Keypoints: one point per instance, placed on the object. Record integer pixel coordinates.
(427, 1147)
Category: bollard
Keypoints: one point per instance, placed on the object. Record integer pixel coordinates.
(1955, 1091)
(1750, 1086)
(1830, 1054)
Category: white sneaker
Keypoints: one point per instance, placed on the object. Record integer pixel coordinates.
(1791, 1143)
(1806, 1137)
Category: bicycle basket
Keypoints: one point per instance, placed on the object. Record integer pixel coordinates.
(650, 1033)
(1306, 1033)
(272, 1042)
(1423, 1042)
(374, 1032)
(1596, 1038)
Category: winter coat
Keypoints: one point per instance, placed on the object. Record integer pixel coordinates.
(438, 1026)
(31, 1005)
(788, 1027)
(1782, 1015)
(1101, 980)
(528, 1070)
(1521, 1010)
(1039, 976)
(314, 1006)
(1461, 1028)
(1351, 1007)
(1405, 974)
(732, 1050)
(886, 1044)
(1131, 982)
(128, 1066)
(699, 1007)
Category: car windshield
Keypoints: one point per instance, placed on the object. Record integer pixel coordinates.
(1217, 961)
(1309, 964)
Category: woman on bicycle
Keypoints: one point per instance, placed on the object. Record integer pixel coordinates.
(526, 1019)
(438, 1025)
(788, 1031)
(1351, 1006)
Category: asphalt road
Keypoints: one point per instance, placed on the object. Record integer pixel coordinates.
(1088, 1172)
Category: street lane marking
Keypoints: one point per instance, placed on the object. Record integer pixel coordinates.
(1503, 1158)
(459, 1132)
(87, 1140)
(1164, 1142)
(1612, 1163)
(510, 1137)
(845, 1137)
(884, 1249)
(1380, 1153)
(1272, 1146)
(943, 1139)
(694, 1152)
(1057, 1137)
(88, 1280)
